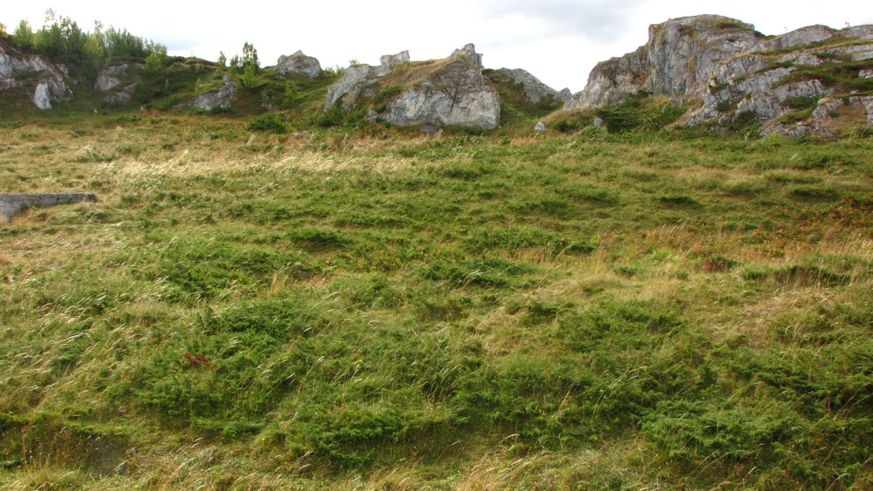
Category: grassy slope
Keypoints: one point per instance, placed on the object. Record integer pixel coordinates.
(475, 312)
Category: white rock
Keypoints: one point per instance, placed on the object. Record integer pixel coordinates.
(867, 103)
(18, 70)
(110, 77)
(299, 64)
(801, 37)
(540, 127)
(599, 123)
(826, 108)
(222, 98)
(349, 85)
(445, 92)
(858, 32)
(389, 62)
(42, 96)
(804, 58)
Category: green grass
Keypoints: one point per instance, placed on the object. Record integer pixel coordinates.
(378, 309)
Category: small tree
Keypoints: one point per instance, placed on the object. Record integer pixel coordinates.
(235, 64)
(23, 36)
(250, 57)
(3, 30)
(154, 62)
(222, 59)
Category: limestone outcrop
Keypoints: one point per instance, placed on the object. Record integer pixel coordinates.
(34, 75)
(221, 99)
(298, 64)
(724, 70)
(116, 80)
(678, 61)
(535, 91)
(446, 92)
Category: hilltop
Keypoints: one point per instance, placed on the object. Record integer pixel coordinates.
(707, 72)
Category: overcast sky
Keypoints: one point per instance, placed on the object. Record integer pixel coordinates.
(559, 41)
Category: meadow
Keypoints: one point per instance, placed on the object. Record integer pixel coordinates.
(378, 309)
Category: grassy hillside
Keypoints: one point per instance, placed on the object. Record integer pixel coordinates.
(384, 310)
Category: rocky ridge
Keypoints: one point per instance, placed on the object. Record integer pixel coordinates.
(725, 71)
(535, 91)
(430, 94)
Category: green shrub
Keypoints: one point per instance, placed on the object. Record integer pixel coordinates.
(272, 123)
(663, 116)
(726, 106)
(566, 125)
(678, 200)
(154, 63)
(23, 37)
(799, 103)
(621, 117)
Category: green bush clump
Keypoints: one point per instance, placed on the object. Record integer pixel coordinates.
(319, 238)
(621, 117)
(271, 123)
(800, 103)
(489, 273)
(201, 269)
(662, 116)
(678, 200)
(566, 125)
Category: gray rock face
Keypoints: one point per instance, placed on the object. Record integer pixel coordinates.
(223, 98)
(121, 97)
(866, 73)
(732, 69)
(300, 65)
(867, 103)
(358, 78)
(389, 62)
(451, 91)
(535, 91)
(22, 71)
(678, 61)
(800, 37)
(347, 88)
(13, 203)
(613, 81)
(858, 32)
(112, 81)
(110, 77)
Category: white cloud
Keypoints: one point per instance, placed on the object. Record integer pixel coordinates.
(557, 40)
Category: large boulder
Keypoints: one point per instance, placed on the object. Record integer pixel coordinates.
(33, 75)
(299, 65)
(450, 91)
